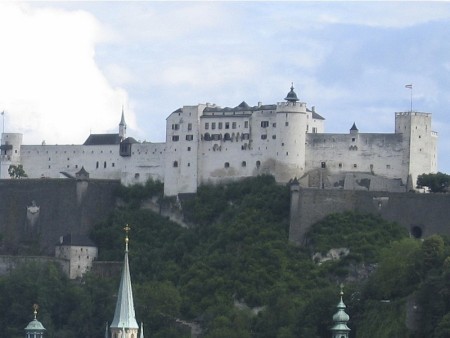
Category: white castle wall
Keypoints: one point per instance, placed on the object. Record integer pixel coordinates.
(209, 144)
(146, 162)
(378, 154)
(48, 161)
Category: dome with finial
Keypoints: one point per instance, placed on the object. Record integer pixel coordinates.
(291, 96)
(340, 319)
(35, 327)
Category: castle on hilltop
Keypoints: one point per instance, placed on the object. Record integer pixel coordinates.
(209, 144)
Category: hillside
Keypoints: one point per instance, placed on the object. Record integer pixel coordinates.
(236, 275)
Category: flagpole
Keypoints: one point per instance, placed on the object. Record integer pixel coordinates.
(410, 87)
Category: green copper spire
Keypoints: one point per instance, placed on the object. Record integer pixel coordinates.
(124, 316)
(340, 319)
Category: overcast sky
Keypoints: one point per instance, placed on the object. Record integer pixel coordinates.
(67, 68)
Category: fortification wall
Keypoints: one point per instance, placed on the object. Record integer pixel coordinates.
(61, 206)
(421, 214)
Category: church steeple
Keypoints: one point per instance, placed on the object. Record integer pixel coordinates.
(340, 319)
(122, 127)
(124, 324)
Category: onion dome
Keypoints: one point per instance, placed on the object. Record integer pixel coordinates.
(340, 319)
(291, 96)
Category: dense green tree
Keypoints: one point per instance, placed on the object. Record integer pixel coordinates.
(16, 171)
(438, 182)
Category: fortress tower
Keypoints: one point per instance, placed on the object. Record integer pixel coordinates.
(419, 142)
(291, 122)
(10, 152)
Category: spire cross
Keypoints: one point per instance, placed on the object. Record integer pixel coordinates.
(127, 229)
(35, 308)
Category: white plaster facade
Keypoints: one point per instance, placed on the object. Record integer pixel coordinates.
(209, 144)
(79, 254)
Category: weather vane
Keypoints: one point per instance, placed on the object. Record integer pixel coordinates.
(35, 309)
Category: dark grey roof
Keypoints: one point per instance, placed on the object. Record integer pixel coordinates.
(102, 139)
(130, 140)
(317, 116)
(291, 96)
(241, 107)
(76, 240)
(354, 127)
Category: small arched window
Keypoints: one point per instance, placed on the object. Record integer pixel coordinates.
(258, 164)
(175, 164)
(227, 164)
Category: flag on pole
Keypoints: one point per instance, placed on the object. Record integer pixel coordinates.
(408, 86)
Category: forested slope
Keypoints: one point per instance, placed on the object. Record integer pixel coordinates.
(235, 273)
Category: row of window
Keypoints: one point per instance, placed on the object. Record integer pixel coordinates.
(176, 138)
(176, 126)
(226, 137)
(226, 164)
(224, 125)
(324, 165)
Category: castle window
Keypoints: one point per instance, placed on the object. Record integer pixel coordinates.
(189, 164)
(216, 137)
(233, 125)
(206, 125)
(49, 159)
(188, 148)
(353, 139)
(388, 166)
(175, 126)
(274, 137)
(355, 165)
(104, 164)
(227, 165)
(175, 138)
(246, 124)
(213, 125)
(96, 165)
(49, 167)
(314, 130)
(340, 165)
(227, 125)
(323, 165)
(246, 136)
(264, 124)
(227, 137)
(274, 125)
(189, 137)
(189, 126)
(76, 166)
(286, 123)
(175, 164)
(258, 164)
(68, 159)
(207, 137)
(244, 164)
(287, 153)
(220, 125)
(263, 137)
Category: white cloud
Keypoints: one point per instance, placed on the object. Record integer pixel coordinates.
(51, 87)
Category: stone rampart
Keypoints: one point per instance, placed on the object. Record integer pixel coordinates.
(421, 214)
(34, 213)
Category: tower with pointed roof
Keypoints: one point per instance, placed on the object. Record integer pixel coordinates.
(340, 319)
(34, 329)
(291, 128)
(124, 324)
(122, 127)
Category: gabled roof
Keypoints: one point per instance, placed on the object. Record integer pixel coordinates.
(102, 139)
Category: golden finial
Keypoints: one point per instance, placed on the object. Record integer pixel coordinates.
(35, 308)
(127, 229)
